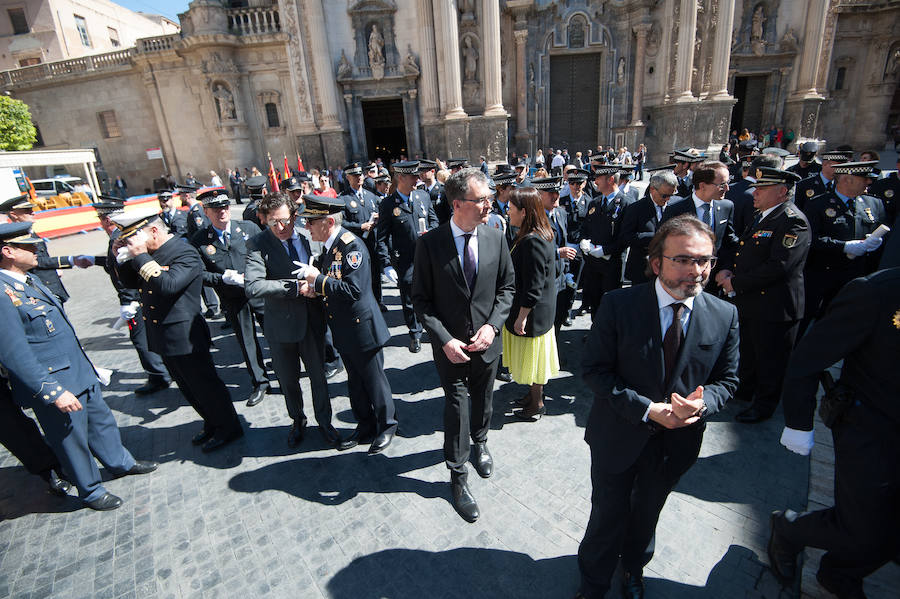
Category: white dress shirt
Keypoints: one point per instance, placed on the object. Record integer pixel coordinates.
(711, 221)
(460, 242)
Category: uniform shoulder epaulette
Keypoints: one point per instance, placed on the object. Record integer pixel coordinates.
(347, 237)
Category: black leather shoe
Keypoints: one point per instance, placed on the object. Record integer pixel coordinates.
(333, 438)
(415, 345)
(753, 414)
(382, 307)
(202, 437)
(463, 502)
(360, 435)
(217, 442)
(143, 467)
(331, 370)
(381, 442)
(782, 557)
(259, 394)
(841, 588)
(105, 502)
(633, 587)
(568, 322)
(210, 314)
(151, 387)
(504, 375)
(56, 485)
(482, 460)
(296, 434)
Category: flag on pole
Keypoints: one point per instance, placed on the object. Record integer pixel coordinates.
(287, 169)
(273, 178)
(300, 163)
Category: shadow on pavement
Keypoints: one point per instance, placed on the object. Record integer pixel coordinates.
(22, 494)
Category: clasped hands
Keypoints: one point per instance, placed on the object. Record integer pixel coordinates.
(455, 349)
(682, 411)
(723, 280)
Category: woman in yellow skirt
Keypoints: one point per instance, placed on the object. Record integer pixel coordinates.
(529, 342)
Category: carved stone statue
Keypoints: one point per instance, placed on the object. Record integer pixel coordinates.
(758, 23)
(409, 63)
(789, 41)
(224, 103)
(345, 69)
(470, 54)
(467, 8)
(376, 48)
(893, 69)
(620, 71)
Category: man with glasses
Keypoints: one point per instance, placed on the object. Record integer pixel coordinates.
(764, 275)
(660, 358)
(641, 220)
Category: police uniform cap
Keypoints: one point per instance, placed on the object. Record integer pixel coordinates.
(766, 176)
(838, 155)
(290, 184)
(214, 198)
(503, 168)
(809, 146)
(257, 182)
(131, 222)
(407, 167)
(20, 202)
(606, 169)
(521, 165)
(503, 178)
(108, 205)
(186, 187)
(18, 233)
(319, 206)
(303, 176)
(547, 183)
(457, 163)
(384, 178)
(626, 169)
(372, 166)
(599, 158)
(684, 156)
(164, 194)
(748, 145)
(354, 168)
(860, 169)
(578, 175)
(774, 151)
(427, 165)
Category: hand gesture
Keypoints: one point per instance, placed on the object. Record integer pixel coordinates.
(664, 415)
(482, 339)
(519, 326)
(67, 402)
(454, 350)
(686, 407)
(310, 274)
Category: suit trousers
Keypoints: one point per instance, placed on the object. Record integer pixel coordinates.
(210, 298)
(409, 314)
(861, 532)
(196, 377)
(77, 437)
(370, 393)
(151, 362)
(625, 507)
(599, 277)
(240, 316)
(765, 350)
(20, 435)
(473, 381)
(286, 362)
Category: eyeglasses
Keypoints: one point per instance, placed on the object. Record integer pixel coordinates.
(702, 261)
(284, 222)
(481, 200)
(666, 195)
(721, 186)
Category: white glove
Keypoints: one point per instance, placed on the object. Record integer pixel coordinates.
(872, 243)
(596, 251)
(300, 271)
(855, 248)
(129, 311)
(800, 442)
(123, 255)
(585, 246)
(233, 277)
(391, 274)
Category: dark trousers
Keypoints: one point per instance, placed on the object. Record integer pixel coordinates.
(464, 383)
(861, 532)
(151, 362)
(196, 377)
(331, 354)
(370, 393)
(765, 350)
(20, 435)
(286, 362)
(240, 316)
(77, 437)
(375, 266)
(625, 507)
(210, 298)
(409, 314)
(599, 277)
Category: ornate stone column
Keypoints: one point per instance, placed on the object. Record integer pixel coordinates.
(321, 58)
(446, 14)
(431, 106)
(411, 115)
(684, 61)
(356, 135)
(641, 30)
(718, 85)
(521, 86)
(490, 33)
(812, 49)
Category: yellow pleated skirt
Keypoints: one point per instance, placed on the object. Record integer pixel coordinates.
(531, 360)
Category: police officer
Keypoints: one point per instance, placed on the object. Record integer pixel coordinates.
(402, 217)
(382, 185)
(764, 275)
(340, 277)
(823, 181)
(888, 190)
(196, 217)
(522, 178)
(256, 189)
(841, 222)
(361, 218)
(807, 165)
(454, 165)
(372, 172)
(223, 248)
(51, 374)
(548, 189)
(685, 162)
(168, 273)
(174, 218)
(503, 180)
(576, 204)
(860, 532)
(435, 190)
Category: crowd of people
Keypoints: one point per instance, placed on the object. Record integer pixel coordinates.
(720, 281)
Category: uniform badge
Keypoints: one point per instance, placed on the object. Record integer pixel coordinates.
(338, 257)
(198, 220)
(897, 319)
(888, 193)
(237, 229)
(353, 203)
(33, 301)
(19, 286)
(397, 211)
(210, 249)
(868, 212)
(13, 297)
(809, 193)
(50, 327)
(830, 212)
(347, 237)
(354, 259)
(789, 241)
(592, 210)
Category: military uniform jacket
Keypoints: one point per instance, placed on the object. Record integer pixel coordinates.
(169, 282)
(345, 284)
(442, 208)
(196, 220)
(217, 258)
(832, 223)
(398, 224)
(768, 266)
(177, 223)
(357, 211)
(249, 213)
(809, 170)
(38, 346)
(888, 190)
(574, 221)
(603, 225)
(504, 215)
(46, 268)
(639, 225)
(809, 188)
(108, 263)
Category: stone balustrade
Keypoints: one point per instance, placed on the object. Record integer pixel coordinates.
(160, 43)
(84, 64)
(251, 21)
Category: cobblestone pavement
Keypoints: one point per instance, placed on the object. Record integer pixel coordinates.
(259, 519)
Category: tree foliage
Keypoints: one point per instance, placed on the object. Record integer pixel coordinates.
(16, 129)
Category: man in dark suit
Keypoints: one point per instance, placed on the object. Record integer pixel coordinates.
(339, 277)
(295, 325)
(168, 273)
(640, 221)
(860, 532)
(765, 279)
(361, 219)
(223, 247)
(462, 291)
(660, 358)
(50, 373)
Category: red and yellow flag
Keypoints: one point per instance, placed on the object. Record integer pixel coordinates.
(273, 178)
(300, 164)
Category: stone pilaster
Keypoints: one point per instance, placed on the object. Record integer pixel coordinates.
(521, 36)
(329, 119)
(640, 32)
(811, 51)
(430, 101)
(718, 84)
(493, 89)
(446, 14)
(684, 62)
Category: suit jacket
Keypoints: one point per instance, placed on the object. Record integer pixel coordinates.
(623, 366)
(398, 226)
(639, 225)
(217, 258)
(559, 225)
(534, 264)
(442, 208)
(345, 284)
(268, 277)
(741, 195)
(442, 299)
(38, 347)
(169, 282)
(723, 218)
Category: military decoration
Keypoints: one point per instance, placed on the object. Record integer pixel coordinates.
(397, 211)
(789, 240)
(353, 203)
(888, 193)
(354, 259)
(897, 319)
(19, 286)
(592, 210)
(810, 193)
(210, 249)
(868, 212)
(830, 212)
(13, 297)
(50, 327)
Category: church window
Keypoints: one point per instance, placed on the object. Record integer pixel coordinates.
(272, 115)
(840, 77)
(109, 126)
(81, 26)
(18, 20)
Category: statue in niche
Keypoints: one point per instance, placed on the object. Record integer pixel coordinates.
(467, 8)
(531, 74)
(893, 68)
(470, 56)
(376, 48)
(345, 69)
(620, 71)
(409, 63)
(224, 103)
(789, 41)
(758, 23)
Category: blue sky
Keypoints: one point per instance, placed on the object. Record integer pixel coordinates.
(166, 8)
